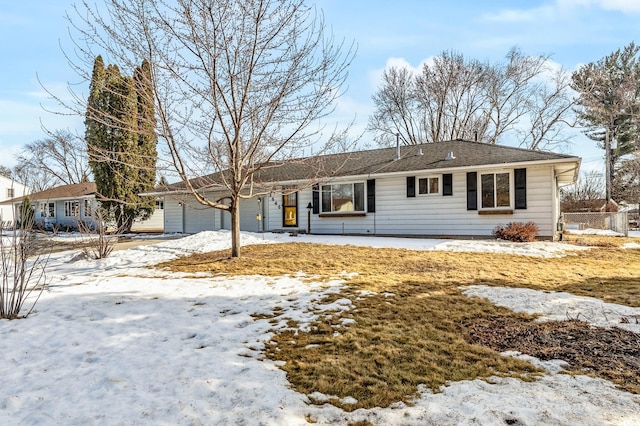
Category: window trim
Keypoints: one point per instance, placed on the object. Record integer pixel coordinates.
(290, 192)
(87, 202)
(71, 209)
(345, 213)
(428, 178)
(496, 208)
(44, 212)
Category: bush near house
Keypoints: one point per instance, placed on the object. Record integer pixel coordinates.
(517, 232)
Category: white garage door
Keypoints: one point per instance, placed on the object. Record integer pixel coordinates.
(198, 218)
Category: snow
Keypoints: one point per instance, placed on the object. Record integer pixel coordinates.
(559, 306)
(114, 341)
(593, 231)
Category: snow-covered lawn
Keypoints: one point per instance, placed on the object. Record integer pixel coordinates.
(116, 342)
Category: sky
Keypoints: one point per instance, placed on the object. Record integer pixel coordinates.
(119, 341)
(35, 35)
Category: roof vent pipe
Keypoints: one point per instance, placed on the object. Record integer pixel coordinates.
(450, 156)
(475, 136)
(420, 153)
(397, 146)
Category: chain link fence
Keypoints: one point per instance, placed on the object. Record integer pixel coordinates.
(616, 222)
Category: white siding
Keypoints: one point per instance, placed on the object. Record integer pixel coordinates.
(442, 215)
(427, 215)
(173, 215)
(155, 223)
(198, 217)
(10, 189)
(274, 213)
(249, 208)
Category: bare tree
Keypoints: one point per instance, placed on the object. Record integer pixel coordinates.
(237, 85)
(549, 111)
(454, 97)
(585, 194)
(58, 159)
(6, 171)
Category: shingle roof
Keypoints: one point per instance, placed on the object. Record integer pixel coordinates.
(429, 156)
(64, 191)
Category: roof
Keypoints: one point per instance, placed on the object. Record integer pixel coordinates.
(65, 191)
(423, 157)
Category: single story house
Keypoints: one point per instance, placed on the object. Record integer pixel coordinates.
(452, 188)
(63, 206)
(9, 189)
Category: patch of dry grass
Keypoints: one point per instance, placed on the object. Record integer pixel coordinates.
(412, 329)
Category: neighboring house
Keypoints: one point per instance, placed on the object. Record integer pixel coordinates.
(453, 188)
(9, 189)
(63, 206)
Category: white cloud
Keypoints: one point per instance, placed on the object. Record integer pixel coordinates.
(625, 6)
(375, 75)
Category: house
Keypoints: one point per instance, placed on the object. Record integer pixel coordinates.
(63, 206)
(453, 188)
(9, 189)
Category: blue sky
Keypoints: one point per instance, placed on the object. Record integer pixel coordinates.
(573, 32)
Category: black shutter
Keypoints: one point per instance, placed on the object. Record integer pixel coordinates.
(521, 188)
(411, 186)
(447, 184)
(315, 199)
(371, 196)
(472, 191)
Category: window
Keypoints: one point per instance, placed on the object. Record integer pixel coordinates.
(495, 190)
(87, 208)
(160, 204)
(290, 204)
(10, 192)
(348, 197)
(47, 210)
(429, 185)
(72, 208)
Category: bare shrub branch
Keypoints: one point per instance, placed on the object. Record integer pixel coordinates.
(22, 270)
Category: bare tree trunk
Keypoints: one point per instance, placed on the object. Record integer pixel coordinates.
(235, 229)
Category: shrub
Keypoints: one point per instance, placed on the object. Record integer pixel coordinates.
(22, 270)
(517, 232)
(98, 241)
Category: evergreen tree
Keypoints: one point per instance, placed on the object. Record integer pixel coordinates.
(119, 133)
(609, 103)
(147, 152)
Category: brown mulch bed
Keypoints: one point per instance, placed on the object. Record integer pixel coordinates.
(609, 353)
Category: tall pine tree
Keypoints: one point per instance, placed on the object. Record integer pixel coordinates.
(147, 152)
(608, 105)
(121, 142)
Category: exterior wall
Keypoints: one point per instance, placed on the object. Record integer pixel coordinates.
(198, 217)
(435, 215)
(396, 214)
(249, 208)
(10, 189)
(173, 217)
(60, 220)
(153, 224)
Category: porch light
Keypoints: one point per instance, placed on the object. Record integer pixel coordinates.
(309, 208)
